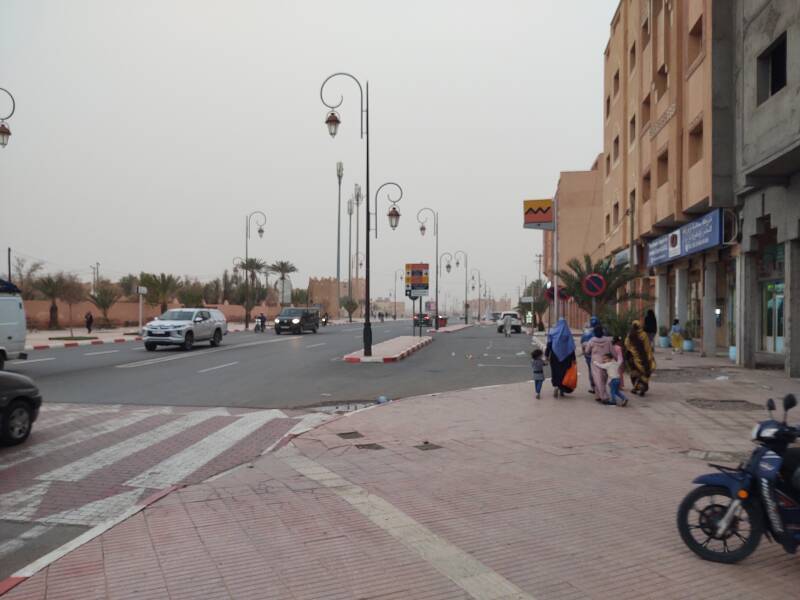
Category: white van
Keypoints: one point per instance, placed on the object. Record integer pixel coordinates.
(13, 328)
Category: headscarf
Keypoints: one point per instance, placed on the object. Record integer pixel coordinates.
(598, 331)
(561, 341)
(640, 354)
(594, 322)
(650, 323)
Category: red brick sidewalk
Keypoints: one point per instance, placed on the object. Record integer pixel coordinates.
(549, 499)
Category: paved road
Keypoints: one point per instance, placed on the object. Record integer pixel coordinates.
(268, 371)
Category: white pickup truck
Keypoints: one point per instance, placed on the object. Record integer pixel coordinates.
(516, 322)
(13, 328)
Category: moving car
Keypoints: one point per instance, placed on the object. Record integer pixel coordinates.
(297, 320)
(184, 327)
(20, 401)
(516, 322)
(13, 328)
(423, 320)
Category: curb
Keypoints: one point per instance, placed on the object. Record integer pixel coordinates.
(29, 571)
(354, 358)
(137, 338)
(461, 327)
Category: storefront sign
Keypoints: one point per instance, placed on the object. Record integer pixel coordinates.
(538, 214)
(623, 257)
(696, 236)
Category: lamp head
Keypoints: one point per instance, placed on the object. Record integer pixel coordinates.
(333, 121)
(5, 133)
(394, 217)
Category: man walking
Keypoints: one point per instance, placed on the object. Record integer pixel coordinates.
(89, 318)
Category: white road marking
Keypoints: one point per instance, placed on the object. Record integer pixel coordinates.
(352, 329)
(97, 511)
(171, 357)
(48, 421)
(18, 542)
(23, 503)
(316, 345)
(87, 465)
(471, 575)
(99, 353)
(184, 463)
(35, 450)
(29, 361)
(230, 364)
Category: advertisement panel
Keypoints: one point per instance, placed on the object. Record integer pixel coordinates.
(696, 236)
(417, 280)
(538, 214)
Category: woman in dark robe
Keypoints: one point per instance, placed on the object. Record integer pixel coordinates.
(639, 358)
(560, 353)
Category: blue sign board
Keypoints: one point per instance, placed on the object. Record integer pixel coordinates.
(696, 236)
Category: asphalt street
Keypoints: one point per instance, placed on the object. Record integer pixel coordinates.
(269, 371)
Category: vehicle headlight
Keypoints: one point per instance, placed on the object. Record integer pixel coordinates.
(295, 321)
(277, 320)
(754, 433)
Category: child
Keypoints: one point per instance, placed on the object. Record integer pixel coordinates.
(619, 356)
(538, 363)
(677, 337)
(612, 367)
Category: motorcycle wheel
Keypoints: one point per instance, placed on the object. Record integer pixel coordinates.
(698, 516)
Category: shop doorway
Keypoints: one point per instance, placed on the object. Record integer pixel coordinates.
(772, 323)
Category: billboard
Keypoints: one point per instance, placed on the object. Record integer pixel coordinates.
(538, 214)
(417, 280)
(696, 236)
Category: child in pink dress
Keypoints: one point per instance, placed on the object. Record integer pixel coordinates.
(619, 356)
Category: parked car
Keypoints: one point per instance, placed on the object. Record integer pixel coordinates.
(184, 327)
(423, 320)
(13, 328)
(297, 320)
(516, 322)
(20, 401)
(493, 316)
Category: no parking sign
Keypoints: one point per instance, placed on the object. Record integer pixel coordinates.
(594, 284)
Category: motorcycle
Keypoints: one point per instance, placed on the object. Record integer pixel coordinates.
(723, 519)
(259, 325)
(324, 321)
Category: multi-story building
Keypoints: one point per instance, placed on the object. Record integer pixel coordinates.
(763, 37)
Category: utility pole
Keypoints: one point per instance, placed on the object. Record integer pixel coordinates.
(9, 265)
(339, 174)
(539, 258)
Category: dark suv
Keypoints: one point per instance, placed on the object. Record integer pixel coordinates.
(297, 320)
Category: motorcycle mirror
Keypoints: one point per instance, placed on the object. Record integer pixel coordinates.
(789, 402)
(770, 405)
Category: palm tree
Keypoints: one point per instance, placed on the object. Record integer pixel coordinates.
(73, 292)
(160, 288)
(104, 297)
(617, 279)
(51, 286)
(282, 268)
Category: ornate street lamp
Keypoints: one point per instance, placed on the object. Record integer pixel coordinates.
(5, 130)
(422, 229)
(333, 122)
(261, 220)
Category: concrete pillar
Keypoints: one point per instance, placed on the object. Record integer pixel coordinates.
(662, 300)
(791, 307)
(748, 310)
(682, 294)
(709, 306)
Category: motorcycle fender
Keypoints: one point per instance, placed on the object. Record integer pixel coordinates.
(733, 484)
(769, 464)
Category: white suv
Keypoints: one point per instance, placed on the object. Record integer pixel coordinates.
(184, 327)
(516, 323)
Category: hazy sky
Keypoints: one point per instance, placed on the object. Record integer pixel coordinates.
(146, 130)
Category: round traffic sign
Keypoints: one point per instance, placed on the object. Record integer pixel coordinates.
(549, 293)
(594, 284)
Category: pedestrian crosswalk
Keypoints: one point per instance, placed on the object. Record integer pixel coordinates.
(83, 465)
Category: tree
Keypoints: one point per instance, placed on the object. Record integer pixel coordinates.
(105, 296)
(282, 268)
(160, 288)
(212, 291)
(350, 305)
(617, 279)
(128, 284)
(73, 291)
(191, 293)
(299, 296)
(51, 287)
(228, 286)
(25, 276)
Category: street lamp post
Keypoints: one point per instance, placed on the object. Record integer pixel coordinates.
(261, 220)
(396, 271)
(479, 290)
(339, 174)
(422, 230)
(455, 256)
(357, 198)
(5, 132)
(350, 248)
(332, 121)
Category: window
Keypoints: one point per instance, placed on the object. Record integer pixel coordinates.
(632, 130)
(646, 186)
(608, 224)
(616, 213)
(661, 82)
(608, 106)
(772, 69)
(662, 174)
(608, 165)
(616, 149)
(632, 57)
(695, 46)
(646, 111)
(645, 33)
(696, 144)
(616, 83)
